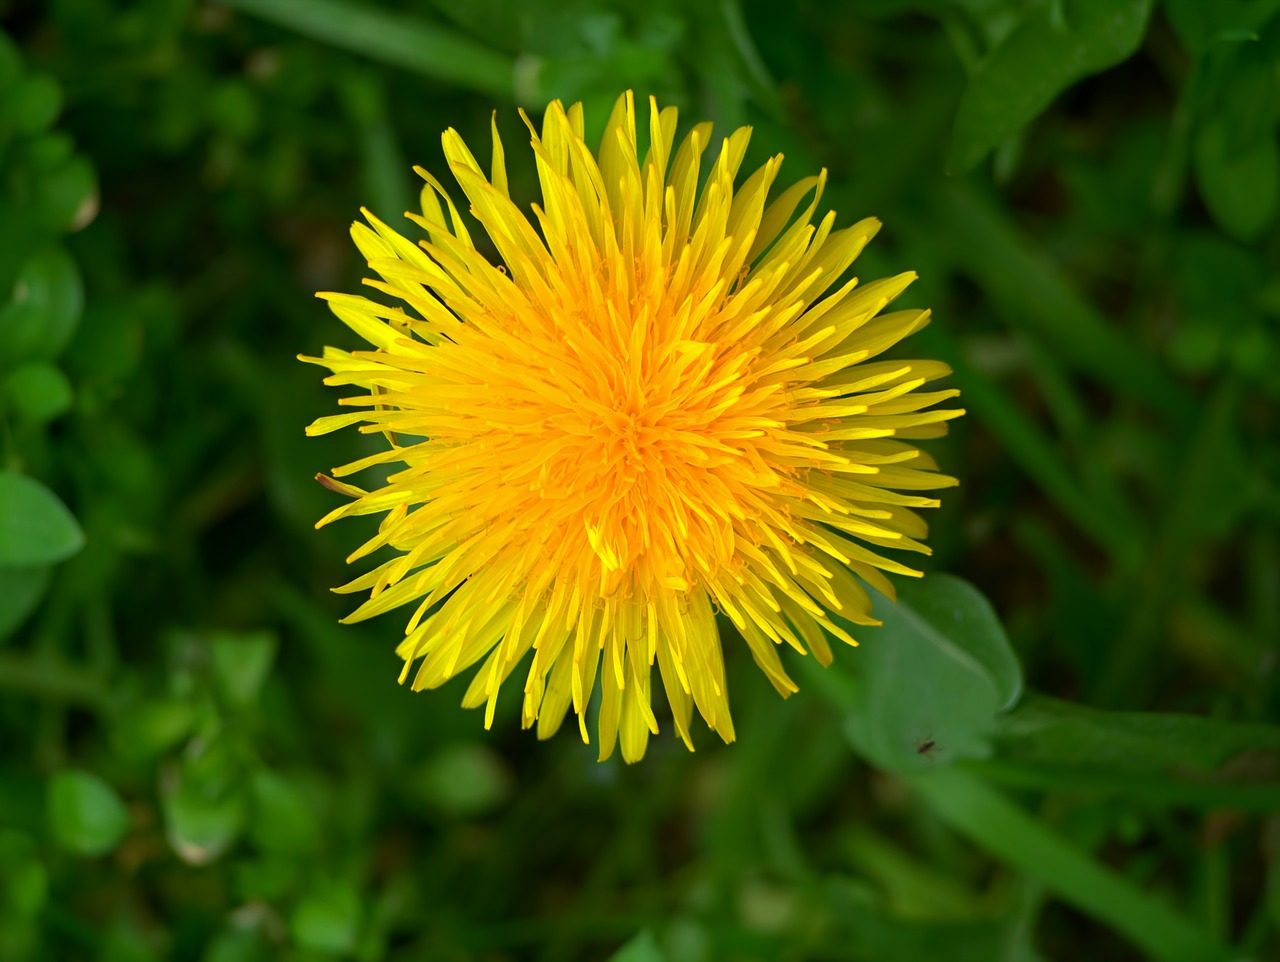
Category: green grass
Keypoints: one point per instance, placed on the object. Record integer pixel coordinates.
(198, 762)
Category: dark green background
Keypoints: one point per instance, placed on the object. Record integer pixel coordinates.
(198, 762)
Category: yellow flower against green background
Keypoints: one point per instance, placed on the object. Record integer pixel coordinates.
(659, 403)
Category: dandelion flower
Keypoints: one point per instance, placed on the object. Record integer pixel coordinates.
(641, 406)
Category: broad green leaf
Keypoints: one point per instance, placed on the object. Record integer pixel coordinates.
(67, 195)
(35, 526)
(1240, 187)
(85, 814)
(43, 309)
(241, 664)
(20, 591)
(327, 919)
(643, 947)
(1006, 831)
(393, 38)
(1035, 63)
(38, 392)
(204, 804)
(923, 699)
(1248, 95)
(282, 820)
(151, 728)
(199, 828)
(963, 615)
(32, 106)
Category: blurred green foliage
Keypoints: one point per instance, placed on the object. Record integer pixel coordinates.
(199, 763)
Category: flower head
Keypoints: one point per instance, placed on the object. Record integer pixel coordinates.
(644, 405)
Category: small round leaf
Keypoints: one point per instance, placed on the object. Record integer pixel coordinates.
(44, 309)
(38, 392)
(34, 104)
(282, 821)
(150, 729)
(327, 919)
(241, 663)
(35, 526)
(204, 812)
(86, 816)
(1239, 186)
(67, 195)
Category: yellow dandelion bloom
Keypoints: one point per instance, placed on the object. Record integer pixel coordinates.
(643, 406)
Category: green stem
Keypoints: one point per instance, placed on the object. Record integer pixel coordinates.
(1031, 293)
(50, 679)
(1128, 674)
(1164, 792)
(991, 820)
(1115, 531)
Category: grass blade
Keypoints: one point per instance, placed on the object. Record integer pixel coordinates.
(1108, 524)
(1031, 293)
(395, 39)
(988, 818)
